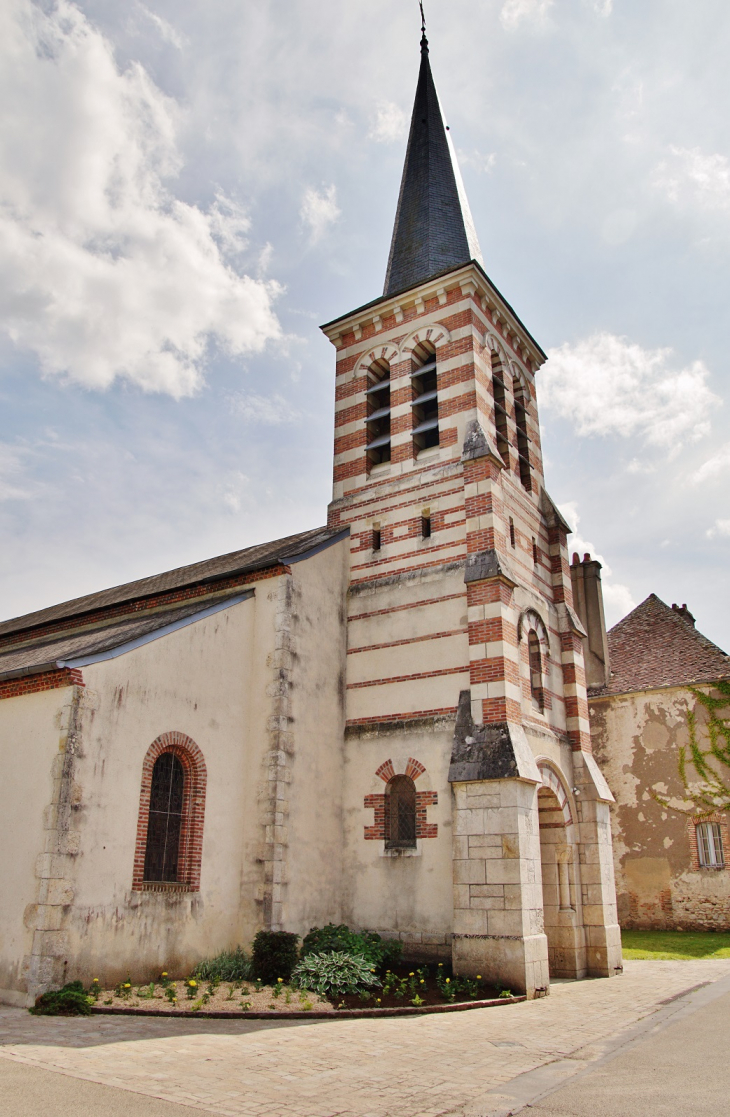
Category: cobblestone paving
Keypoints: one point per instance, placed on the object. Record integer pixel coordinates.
(408, 1067)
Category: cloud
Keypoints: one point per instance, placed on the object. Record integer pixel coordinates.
(601, 7)
(515, 12)
(606, 385)
(716, 466)
(165, 30)
(12, 486)
(389, 125)
(484, 164)
(319, 210)
(690, 176)
(617, 598)
(720, 527)
(267, 410)
(104, 273)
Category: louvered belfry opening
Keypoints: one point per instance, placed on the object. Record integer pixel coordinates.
(424, 404)
(400, 813)
(377, 422)
(535, 655)
(164, 827)
(500, 410)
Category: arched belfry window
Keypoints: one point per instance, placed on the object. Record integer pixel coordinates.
(169, 844)
(400, 813)
(377, 423)
(165, 819)
(424, 404)
(535, 656)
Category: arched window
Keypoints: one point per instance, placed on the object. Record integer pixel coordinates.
(165, 819)
(400, 813)
(171, 811)
(535, 656)
(500, 410)
(377, 422)
(523, 440)
(424, 404)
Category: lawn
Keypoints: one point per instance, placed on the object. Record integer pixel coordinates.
(675, 944)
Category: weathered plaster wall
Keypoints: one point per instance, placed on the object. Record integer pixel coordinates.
(31, 733)
(636, 739)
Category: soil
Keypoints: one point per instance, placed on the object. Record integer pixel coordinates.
(220, 1000)
(426, 988)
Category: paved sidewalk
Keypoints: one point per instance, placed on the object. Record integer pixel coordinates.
(408, 1067)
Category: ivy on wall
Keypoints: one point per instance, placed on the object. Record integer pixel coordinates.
(710, 792)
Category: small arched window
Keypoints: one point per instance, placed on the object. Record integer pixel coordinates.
(400, 813)
(535, 656)
(164, 828)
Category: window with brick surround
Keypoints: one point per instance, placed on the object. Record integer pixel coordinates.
(709, 845)
(400, 813)
(377, 422)
(535, 657)
(523, 441)
(169, 845)
(500, 409)
(424, 403)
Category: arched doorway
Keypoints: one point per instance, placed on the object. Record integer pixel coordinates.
(560, 880)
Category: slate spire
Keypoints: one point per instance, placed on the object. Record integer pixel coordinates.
(434, 231)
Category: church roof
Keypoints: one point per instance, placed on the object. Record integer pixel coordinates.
(434, 231)
(290, 549)
(658, 646)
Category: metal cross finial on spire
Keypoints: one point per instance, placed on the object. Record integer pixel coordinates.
(424, 40)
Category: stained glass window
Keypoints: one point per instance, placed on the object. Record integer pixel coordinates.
(400, 813)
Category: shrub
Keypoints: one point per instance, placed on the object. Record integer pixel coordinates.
(229, 965)
(72, 1000)
(335, 974)
(379, 952)
(274, 955)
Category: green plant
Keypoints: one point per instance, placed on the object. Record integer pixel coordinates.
(123, 989)
(417, 1001)
(146, 992)
(94, 989)
(171, 994)
(229, 965)
(274, 955)
(191, 988)
(505, 993)
(245, 1005)
(164, 979)
(340, 939)
(710, 792)
(277, 990)
(335, 974)
(71, 1000)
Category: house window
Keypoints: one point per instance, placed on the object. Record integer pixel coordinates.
(425, 408)
(709, 846)
(535, 656)
(165, 819)
(500, 410)
(523, 442)
(168, 850)
(377, 422)
(400, 813)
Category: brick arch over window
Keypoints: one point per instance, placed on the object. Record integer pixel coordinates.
(413, 769)
(387, 353)
(190, 847)
(533, 633)
(428, 335)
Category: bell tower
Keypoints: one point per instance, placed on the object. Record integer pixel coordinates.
(465, 655)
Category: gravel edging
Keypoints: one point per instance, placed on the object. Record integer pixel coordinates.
(313, 1014)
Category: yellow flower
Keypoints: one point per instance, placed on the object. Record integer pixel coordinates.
(96, 979)
(164, 973)
(448, 981)
(127, 985)
(411, 974)
(280, 979)
(440, 965)
(378, 1000)
(422, 982)
(193, 984)
(479, 977)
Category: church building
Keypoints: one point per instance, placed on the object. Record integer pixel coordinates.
(381, 722)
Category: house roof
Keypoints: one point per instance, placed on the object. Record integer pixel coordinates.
(265, 555)
(658, 646)
(434, 230)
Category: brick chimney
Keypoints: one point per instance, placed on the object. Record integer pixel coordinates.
(683, 612)
(588, 601)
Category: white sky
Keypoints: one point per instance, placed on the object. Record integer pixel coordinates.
(187, 191)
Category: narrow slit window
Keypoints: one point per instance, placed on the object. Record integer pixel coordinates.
(709, 846)
(523, 441)
(377, 422)
(535, 656)
(400, 813)
(535, 553)
(424, 404)
(165, 820)
(376, 539)
(512, 539)
(426, 526)
(500, 410)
